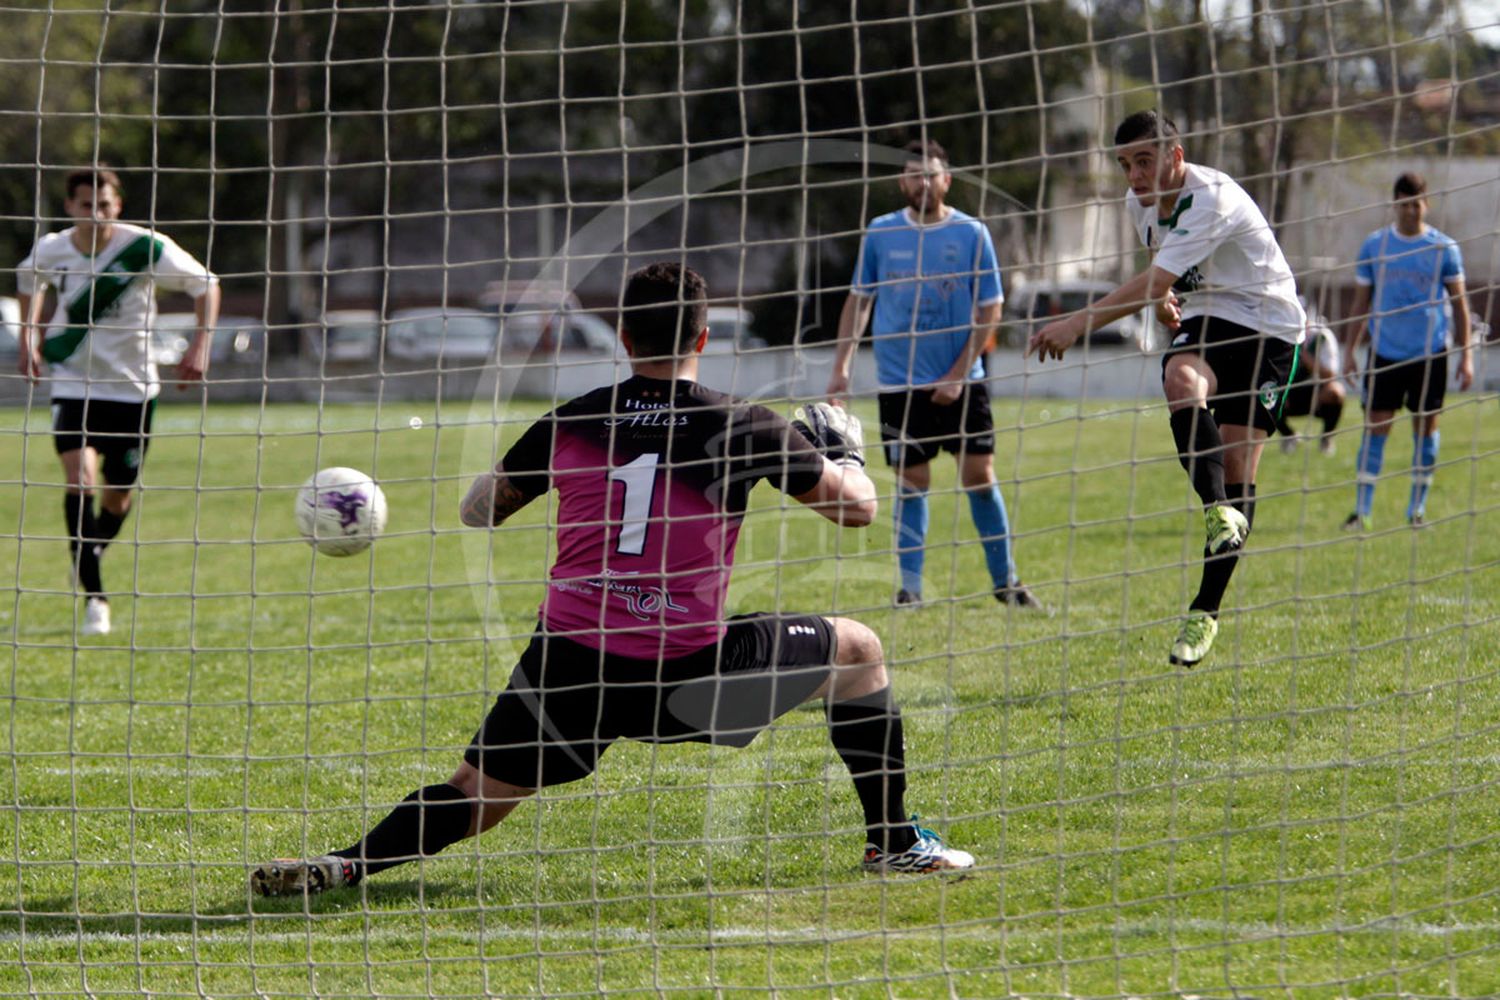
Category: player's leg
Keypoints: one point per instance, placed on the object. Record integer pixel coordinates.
(1384, 393)
(1329, 409)
(1426, 402)
(1243, 447)
(80, 465)
(1189, 382)
(972, 441)
(122, 446)
(520, 746)
(901, 419)
(865, 727)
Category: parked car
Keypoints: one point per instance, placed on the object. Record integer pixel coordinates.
(344, 335)
(1035, 304)
(540, 335)
(729, 331)
(445, 336)
(236, 338)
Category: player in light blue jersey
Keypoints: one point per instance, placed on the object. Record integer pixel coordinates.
(1411, 272)
(928, 275)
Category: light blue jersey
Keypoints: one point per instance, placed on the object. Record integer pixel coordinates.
(927, 281)
(1409, 274)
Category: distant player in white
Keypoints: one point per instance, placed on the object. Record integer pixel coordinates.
(95, 354)
(1220, 283)
(1411, 272)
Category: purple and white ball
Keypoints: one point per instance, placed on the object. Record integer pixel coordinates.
(340, 511)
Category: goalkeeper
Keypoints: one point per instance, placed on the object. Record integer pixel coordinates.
(1220, 283)
(654, 475)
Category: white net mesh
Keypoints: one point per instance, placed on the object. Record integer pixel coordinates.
(421, 216)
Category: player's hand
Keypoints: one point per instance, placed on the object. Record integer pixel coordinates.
(1466, 372)
(833, 430)
(838, 386)
(1169, 311)
(946, 393)
(194, 363)
(1053, 340)
(29, 363)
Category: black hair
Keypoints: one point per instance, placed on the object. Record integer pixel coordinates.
(665, 307)
(94, 177)
(1149, 124)
(1410, 185)
(926, 149)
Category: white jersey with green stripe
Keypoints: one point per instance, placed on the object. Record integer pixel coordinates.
(97, 343)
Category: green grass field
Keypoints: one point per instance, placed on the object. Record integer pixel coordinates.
(1311, 813)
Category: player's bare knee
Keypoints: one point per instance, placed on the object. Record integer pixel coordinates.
(859, 662)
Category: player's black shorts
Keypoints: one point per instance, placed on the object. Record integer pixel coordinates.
(118, 431)
(1252, 370)
(566, 702)
(915, 430)
(1419, 384)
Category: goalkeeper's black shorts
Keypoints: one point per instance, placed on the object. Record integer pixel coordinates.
(567, 702)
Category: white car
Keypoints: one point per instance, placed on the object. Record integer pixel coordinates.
(1035, 304)
(345, 335)
(455, 335)
(539, 334)
(729, 331)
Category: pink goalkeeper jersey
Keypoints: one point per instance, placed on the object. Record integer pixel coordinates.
(653, 478)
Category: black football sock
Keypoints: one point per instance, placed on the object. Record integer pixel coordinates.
(867, 734)
(78, 510)
(425, 822)
(107, 526)
(1200, 449)
(1217, 569)
(1329, 413)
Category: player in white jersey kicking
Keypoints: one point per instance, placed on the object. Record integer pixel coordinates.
(653, 477)
(1220, 283)
(95, 352)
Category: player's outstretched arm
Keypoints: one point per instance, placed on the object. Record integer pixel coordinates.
(491, 500)
(1152, 286)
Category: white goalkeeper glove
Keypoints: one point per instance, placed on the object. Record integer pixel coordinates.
(833, 430)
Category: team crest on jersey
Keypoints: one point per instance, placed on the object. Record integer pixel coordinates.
(1190, 281)
(1268, 392)
(133, 458)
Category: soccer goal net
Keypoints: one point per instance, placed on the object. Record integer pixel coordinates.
(395, 237)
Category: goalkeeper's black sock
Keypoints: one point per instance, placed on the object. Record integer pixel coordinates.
(1217, 569)
(1329, 413)
(1200, 449)
(867, 734)
(78, 509)
(107, 526)
(425, 822)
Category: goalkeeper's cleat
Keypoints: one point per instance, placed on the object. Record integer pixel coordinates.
(1356, 523)
(928, 854)
(1018, 595)
(290, 877)
(908, 599)
(95, 617)
(1226, 528)
(1199, 629)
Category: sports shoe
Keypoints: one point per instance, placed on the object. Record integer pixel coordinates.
(1018, 595)
(1356, 523)
(1199, 629)
(1226, 528)
(1327, 445)
(1289, 446)
(289, 877)
(95, 617)
(1416, 520)
(928, 854)
(907, 599)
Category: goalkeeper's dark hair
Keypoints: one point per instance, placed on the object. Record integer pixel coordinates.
(665, 307)
(94, 177)
(1149, 124)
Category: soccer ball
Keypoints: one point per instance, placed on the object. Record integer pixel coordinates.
(340, 511)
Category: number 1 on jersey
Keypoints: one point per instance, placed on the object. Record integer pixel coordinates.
(639, 478)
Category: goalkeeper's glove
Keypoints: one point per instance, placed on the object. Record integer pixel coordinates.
(833, 430)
